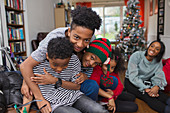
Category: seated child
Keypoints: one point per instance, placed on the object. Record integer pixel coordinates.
(62, 65)
(109, 92)
(166, 69)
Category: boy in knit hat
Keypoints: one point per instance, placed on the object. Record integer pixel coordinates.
(100, 51)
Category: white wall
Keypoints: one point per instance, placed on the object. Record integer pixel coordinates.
(152, 29)
(39, 17)
(166, 37)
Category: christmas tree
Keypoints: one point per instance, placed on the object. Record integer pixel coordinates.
(131, 35)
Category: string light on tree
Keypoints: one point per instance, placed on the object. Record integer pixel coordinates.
(131, 35)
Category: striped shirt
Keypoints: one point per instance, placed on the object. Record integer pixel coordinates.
(87, 70)
(60, 96)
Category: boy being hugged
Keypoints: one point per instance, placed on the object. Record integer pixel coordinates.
(63, 65)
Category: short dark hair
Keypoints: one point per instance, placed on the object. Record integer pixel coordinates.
(161, 53)
(59, 48)
(120, 62)
(85, 17)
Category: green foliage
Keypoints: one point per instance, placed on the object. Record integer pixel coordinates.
(116, 26)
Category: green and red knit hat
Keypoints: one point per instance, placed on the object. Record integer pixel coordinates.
(102, 48)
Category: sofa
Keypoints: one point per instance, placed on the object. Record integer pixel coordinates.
(166, 69)
(40, 36)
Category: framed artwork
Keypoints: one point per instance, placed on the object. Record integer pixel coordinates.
(156, 7)
(151, 7)
(161, 28)
(161, 12)
(161, 20)
(161, 5)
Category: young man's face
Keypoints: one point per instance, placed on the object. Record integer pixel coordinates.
(58, 64)
(90, 60)
(80, 37)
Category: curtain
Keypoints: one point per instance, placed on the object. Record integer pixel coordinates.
(87, 4)
(141, 13)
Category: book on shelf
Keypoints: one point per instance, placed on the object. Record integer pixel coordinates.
(15, 33)
(14, 18)
(16, 4)
(17, 47)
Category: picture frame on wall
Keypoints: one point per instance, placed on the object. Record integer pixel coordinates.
(161, 21)
(161, 29)
(151, 7)
(161, 4)
(161, 12)
(161, 0)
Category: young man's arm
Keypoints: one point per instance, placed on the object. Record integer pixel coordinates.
(27, 72)
(49, 79)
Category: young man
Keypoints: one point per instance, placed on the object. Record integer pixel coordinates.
(84, 23)
(63, 65)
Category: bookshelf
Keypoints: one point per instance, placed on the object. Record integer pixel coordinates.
(15, 26)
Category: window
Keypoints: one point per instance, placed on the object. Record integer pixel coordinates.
(112, 18)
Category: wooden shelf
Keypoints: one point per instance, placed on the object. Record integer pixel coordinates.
(16, 40)
(15, 25)
(13, 9)
(18, 53)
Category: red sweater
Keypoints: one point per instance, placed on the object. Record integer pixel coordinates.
(166, 69)
(97, 72)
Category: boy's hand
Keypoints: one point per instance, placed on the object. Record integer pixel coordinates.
(44, 79)
(47, 108)
(109, 91)
(111, 105)
(81, 79)
(26, 91)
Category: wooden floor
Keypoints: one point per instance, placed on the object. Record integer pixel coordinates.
(142, 108)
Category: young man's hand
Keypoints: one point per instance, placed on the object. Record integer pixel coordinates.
(109, 91)
(82, 78)
(47, 108)
(25, 90)
(44, 79)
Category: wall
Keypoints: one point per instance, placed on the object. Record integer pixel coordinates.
(166, 37)
(39, 17)
(152, 29)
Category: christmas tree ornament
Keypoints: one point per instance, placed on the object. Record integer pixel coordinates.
(131, 35)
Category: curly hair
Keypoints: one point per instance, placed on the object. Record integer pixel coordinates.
(120, 62)
(161, 53)
(59, 48)
(85, 17)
